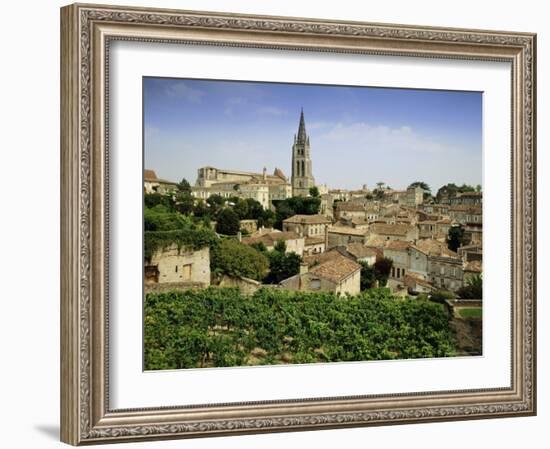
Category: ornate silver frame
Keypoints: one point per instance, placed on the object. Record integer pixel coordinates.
(86, 32)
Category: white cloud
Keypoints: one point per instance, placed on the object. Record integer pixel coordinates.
(383, 138)
(183, 91)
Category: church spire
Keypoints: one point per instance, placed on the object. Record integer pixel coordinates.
(302, 136)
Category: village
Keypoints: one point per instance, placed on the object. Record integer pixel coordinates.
(430, 242)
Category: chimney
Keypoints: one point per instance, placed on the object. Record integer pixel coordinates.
(303, 268)
(265, 173)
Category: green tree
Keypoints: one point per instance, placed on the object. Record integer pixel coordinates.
(368, 276)
(382, 269)
(282, 265)
(184, 203)
(184, 186)
(237, 259)
(160, 218)
(455, 237)
(473, 288)
(154, 199)
(440, 296)
(228, 222)
(241, 209)
(314, 192)
(420, 184)
(201, 210)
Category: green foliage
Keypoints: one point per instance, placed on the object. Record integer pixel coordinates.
(160, 218)
(314, 192)
(184, 203)
(422, 185)
(157, 199)
(189, 237)
(455, 237)
(440, 296)
(470, 312)
(473, 288)
(293, 206)
(282, 265)
(236, 259)
(220, 327)
(451, 190)
(184, 186)
(382, 269)
(228, 222)
(368, 276)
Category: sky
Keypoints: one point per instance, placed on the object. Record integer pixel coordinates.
(358, 135)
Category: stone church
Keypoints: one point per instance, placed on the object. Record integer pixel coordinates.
(302, 173)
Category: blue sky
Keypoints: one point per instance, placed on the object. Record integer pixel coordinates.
(359, 135)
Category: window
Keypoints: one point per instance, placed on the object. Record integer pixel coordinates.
(176, 268)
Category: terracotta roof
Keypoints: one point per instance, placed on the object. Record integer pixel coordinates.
(390, 229)
(346, 230)
(271, 238)
(279, 173)
(307, 219)
(359, 250)
(375, 242)
(434, 248)
(336, 269)
(474, 266)
(398, 245)
(149, 175)
(411, 281)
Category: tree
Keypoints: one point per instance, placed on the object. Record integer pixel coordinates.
(368, 276)
(184, 186)
(241, 209)
(154, 199)
(184, 203)
(440, 296)
(425, 187)
(228, 222)
(201, 209)
(160, 218)
(382, 269)
(314, 192)
(473, 288)
(455, 237)
(282, 265)
(380, 185)
(236, 259)
(420, 184)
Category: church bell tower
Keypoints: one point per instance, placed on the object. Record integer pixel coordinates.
(302, 175)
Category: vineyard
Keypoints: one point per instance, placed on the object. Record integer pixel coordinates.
(218, 327)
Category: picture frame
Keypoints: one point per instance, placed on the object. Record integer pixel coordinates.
(87, 32)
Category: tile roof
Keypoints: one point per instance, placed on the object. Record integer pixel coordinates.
(398, 245)
(346, 230)
(359, 250)
(271, 238)
(308, 219)
(434, 248)
(474, 266)
(336, 269)
(390, 229)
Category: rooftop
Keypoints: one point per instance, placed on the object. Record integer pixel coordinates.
(308, 219)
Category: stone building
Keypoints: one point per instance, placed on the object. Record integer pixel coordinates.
(445, 267)
(350, 209)
(337, 273)
(467, 198)
(398, 252)
(261, 187)
(294, 243)
(394, 231)
(362, 253)
(313, 226)
(414, 196)
(153, 184)
(430, 229)
(344, 235)
(180, 267)
(302, 172)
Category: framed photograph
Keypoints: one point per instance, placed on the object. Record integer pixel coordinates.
(277, 224)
